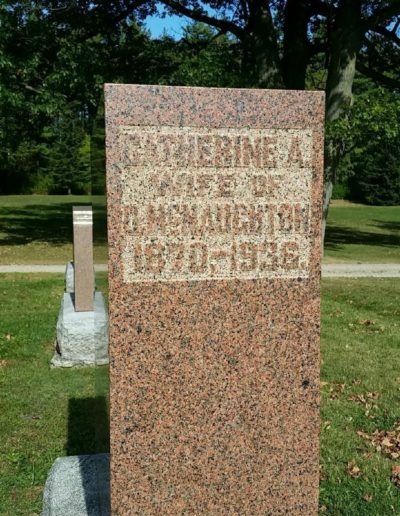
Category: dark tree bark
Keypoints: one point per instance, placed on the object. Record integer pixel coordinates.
(295, 44)
(345, 43)
(264, 46)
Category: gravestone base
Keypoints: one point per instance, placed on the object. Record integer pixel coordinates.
(78, 486)
(70, 277)
(82, 337)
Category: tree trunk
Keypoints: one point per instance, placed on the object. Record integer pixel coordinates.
(345, 44)
(262, 47)
(295, 44)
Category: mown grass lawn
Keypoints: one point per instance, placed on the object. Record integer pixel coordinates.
(49, 413)
(38, 229)
(360, 345)
(44, 413)
(365, 234)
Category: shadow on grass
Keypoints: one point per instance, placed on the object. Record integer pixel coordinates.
(88, 426)
(51, 223)
(390, 226)
(88, 437)
(337, 236)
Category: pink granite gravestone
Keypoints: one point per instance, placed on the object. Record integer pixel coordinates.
(214, 206)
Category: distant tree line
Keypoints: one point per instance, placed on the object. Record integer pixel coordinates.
(55, 57)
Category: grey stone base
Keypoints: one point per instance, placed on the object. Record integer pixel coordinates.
(70, 278)
(78, 486)
(82, 337)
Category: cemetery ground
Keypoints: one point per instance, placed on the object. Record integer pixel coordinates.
(50, 413)
(37, 229)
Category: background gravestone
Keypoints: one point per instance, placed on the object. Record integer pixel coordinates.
(83, 258)
(82, 325)
(214, 203)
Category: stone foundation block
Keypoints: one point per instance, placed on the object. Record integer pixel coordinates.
(82, 337)
(78, 486)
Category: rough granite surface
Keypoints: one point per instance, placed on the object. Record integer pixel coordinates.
(78, 486)
(214, 209)
(82, 337)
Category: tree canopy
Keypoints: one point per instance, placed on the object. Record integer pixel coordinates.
(56, 55)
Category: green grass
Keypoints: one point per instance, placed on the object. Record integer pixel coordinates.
(366, 234)
(360, 349)
(38, 229)
(44, 413)
(49, 413)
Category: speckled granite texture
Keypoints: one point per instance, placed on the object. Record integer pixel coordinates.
(214, 206)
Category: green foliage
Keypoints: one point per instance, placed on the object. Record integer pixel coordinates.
(53, 64)
(52, 70)
(97, 155)
(54, 61)
(377, 173)
(367, 139)
(340, 191)
(67, 156)
(202, 58)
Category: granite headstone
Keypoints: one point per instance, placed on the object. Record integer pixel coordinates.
(214, 210)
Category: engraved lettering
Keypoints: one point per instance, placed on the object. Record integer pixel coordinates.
(215, 203)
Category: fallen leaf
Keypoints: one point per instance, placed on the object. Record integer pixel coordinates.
(385, 441)
(353, 470)
(323, 508)
(336, 388)
(364, 398)
(367, 497)
(356, 381)
(322, 474)
(326, 425)
(395, 478)
(367, 455)
(358, 398)
(7, 336)
(3, 363)
(366, 322)
(31, 416)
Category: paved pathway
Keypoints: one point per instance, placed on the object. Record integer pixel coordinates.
(361, 270)
(349, 270)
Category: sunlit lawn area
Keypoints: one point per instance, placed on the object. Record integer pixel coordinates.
(365, 234)
(38, 229)
(49, 413)
(44, 413)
